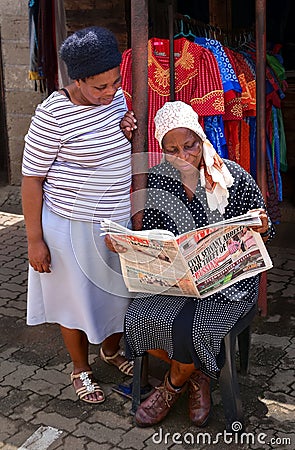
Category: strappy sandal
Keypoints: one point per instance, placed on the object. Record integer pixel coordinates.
(89, 387)
(126, 367)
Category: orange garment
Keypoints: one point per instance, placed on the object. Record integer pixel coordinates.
(232, 136)
(245, 146)
(237, 134)
(233, 106)
(246, 80)
(232, 99)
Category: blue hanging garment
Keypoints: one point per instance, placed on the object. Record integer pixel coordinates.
(228, 76)
(214, 130)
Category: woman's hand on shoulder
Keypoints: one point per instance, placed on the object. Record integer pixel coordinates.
(128, 124)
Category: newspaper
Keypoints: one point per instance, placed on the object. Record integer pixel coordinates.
(196, 263)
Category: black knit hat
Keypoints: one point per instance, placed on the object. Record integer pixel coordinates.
(89, 52)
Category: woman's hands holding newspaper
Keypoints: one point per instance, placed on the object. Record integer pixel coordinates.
(264, 228)
(113, 246)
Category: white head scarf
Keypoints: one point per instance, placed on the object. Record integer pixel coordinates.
(214, 175)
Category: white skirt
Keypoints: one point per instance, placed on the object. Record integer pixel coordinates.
(85, 289)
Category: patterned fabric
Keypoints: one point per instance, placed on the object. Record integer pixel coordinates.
(228, 75)
(197, 82)
(274, 93)
(230, 83)
(214, 129)
(190, 330)
(283, 144)
(232, 133)
(253, 144)
(245, 145)
(247, 81)
(238, 141)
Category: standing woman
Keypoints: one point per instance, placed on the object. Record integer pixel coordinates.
(76, 171)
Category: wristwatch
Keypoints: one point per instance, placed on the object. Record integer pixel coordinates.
(266, 233)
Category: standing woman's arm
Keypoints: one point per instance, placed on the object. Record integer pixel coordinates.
(32, 200)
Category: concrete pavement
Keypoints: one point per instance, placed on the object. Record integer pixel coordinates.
(39, 409)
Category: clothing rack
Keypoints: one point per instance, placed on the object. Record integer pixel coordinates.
(190, 28)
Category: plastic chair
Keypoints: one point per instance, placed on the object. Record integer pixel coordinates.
(228, 380)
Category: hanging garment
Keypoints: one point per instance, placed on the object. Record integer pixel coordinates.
(61, 34)
(47, 52)
(197, 82)
(275, 152)
(214, 129)
(246, 80)
(271, 197)
(43, 53)
(233, 142)
(233, 103)
(274, 93)
(276, 66)
(35, 69)
(253, 152)
(245, 146)
(238, 132)
(230, 83)
(283, 145)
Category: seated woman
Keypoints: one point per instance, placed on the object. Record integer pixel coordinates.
(188, 332)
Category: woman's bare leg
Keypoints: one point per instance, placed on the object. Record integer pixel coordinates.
(77, 345)
(180, 373)
(111, 345)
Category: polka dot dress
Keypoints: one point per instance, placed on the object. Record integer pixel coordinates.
(190, 329)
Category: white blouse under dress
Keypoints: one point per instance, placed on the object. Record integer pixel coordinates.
(190, 329)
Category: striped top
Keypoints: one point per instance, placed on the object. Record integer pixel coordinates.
(83, 155)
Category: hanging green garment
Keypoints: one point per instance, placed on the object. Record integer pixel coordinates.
(277, 67)
(283, 145)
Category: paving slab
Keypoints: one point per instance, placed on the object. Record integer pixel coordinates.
(35, 389)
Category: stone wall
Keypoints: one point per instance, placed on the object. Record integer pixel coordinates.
(103, 13)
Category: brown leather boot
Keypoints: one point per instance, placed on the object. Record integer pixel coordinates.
(156, 407)
(199, 398)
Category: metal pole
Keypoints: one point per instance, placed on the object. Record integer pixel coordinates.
(139, 45)
(261, 124)
(171, 50)
(260, 94)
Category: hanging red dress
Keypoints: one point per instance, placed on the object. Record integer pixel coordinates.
(238, 132)
(197, 82)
